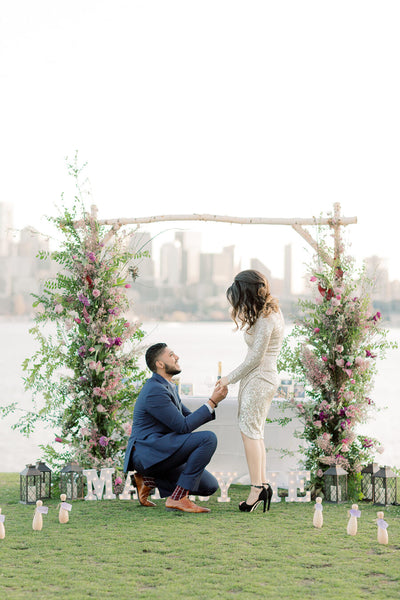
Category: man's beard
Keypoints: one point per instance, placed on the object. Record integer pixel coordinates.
(172, 370)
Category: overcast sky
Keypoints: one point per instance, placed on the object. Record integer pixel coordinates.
(253, 108)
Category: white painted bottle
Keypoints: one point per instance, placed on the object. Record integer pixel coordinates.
(2, 528)
(354, 513)
(383, 537)
(37, 522)
(63, 515)
(318, 519)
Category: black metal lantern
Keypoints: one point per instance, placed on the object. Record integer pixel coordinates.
(45, 484)
(71, 481)
(366, 481)
(30, 485)
(384, 487)
(335, 484)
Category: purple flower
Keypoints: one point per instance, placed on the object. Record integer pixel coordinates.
(376, 316)
(91, 256)
(103, 441)
(82, 351)
(118, 341)
(367, 443)
(83, 299)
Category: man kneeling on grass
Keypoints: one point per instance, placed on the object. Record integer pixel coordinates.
(162, 448)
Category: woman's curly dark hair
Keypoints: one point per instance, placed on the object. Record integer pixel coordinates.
(250, 298)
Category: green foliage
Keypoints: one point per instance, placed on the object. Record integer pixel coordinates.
(333, 350)
(84, 375)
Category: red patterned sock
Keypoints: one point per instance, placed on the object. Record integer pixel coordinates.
(149, 481)
(178, 493)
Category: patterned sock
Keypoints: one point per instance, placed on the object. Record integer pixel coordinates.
(149, 481)
(179, 492)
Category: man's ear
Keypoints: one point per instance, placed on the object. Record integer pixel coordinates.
(160, 364)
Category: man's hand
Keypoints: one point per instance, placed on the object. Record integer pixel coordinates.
(218, 394)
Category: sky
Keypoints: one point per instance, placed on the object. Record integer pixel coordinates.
(242, 108)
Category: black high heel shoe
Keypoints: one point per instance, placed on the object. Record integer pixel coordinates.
(269, 491)
(262, 497)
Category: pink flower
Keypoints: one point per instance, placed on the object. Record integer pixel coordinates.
(313, 278)
(103, 441)
(317, 424)
(60, 440)
(349, 372)
(96, 293)
(339, 362)
(84, 431)
(320, 473)
(339, 348)
(92, 365)
(324, 358)
(100, 408)
(127, 285)
(127, 427)
(58, 308)
(316, 330)
(118, 481)
(77, 320)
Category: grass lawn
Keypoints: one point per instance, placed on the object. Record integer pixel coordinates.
(119, 549)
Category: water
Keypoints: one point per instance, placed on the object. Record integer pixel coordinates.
(200, 347)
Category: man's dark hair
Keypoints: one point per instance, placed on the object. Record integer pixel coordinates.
(152, 355)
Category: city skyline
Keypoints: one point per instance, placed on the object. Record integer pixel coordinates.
(211, 108)
(176, 279)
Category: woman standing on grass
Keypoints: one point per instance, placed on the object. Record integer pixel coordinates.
(259, 315)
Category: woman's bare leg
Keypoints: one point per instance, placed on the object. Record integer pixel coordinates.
(263, 461)
(254, 456)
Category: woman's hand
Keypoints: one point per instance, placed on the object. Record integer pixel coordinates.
(223, 382)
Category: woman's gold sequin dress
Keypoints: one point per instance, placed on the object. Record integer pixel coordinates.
(258, 373)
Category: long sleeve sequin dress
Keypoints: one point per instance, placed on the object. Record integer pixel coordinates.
(258, 373)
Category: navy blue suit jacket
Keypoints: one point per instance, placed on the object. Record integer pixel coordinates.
(159, 427)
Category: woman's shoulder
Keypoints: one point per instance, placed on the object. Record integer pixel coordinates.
(272, 319)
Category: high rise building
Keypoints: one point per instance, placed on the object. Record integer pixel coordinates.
(287, 277)
(190, 242)
(170, 263)
(6, 225)
(377, 271)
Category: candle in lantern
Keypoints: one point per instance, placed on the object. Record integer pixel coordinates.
(31, 493)
(380, 496)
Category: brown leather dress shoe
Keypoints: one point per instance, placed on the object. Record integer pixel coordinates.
(142, 490)
(185, 505)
